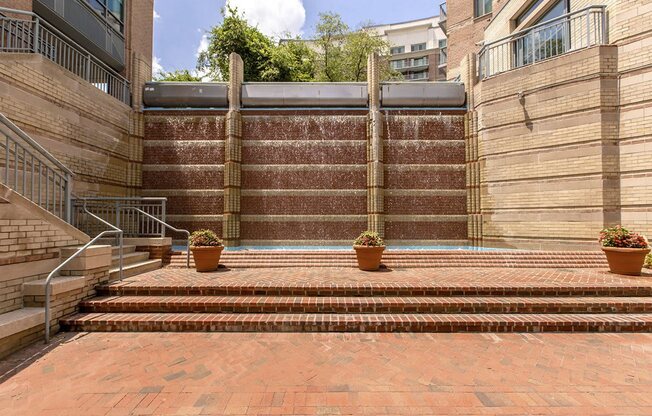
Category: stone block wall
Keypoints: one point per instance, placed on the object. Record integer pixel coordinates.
(86, 129)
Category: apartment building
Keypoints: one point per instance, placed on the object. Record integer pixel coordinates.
(418, 48)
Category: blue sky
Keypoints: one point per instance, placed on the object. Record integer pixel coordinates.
(179, 25)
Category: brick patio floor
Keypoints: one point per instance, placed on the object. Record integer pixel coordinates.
(332, 374)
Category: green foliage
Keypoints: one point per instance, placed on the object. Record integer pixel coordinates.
(291, 61)
(369, 239)
(180, 75)
(339, 54)
(236, 35)
(204, 238)
(621, 237)
(648, 261)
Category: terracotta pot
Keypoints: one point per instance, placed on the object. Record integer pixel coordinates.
(369, 257)
(627, 261)
(207, 259)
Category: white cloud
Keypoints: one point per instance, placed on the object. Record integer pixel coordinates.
(273, 17)
(203, 44)
(156, 15)
(156, 66)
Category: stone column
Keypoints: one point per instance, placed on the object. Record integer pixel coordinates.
(473, 168)
(233, 155)
(375, 166)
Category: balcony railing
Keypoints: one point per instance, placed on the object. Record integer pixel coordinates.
(443, 16)
(577, 30)
(443, 56)
(38, 36)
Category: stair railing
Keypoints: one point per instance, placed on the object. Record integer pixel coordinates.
(33, 172)
(48, 281)
(166, 225)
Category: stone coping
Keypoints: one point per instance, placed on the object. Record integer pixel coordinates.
(20, 320)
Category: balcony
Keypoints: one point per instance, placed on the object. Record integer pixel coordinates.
(410, 64)
(35, 35)
(443, 57)
(443, 17)
(573, 31)
(416, 76)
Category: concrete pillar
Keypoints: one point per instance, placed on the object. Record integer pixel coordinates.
(375, 165)
(233, 155)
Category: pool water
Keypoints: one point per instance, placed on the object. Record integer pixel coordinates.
(344, 248)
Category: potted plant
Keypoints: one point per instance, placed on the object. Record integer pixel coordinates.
(625, 250)
(648, 261)
(206, 249)
(369, 249)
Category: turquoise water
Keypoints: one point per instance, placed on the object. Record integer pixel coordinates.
(344, 248)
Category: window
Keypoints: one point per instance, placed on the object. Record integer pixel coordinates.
(420, 61)
(482, 7)
(418, 47)
(396, 50)
(544, 42)
(398, 64)
(111, 10)
(442, 43)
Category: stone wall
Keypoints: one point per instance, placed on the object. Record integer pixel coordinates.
(564, 145)
(86, 129)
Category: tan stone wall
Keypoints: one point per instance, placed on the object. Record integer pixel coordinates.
(86, 129)
(565, 145)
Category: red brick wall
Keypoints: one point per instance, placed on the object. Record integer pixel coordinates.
(304, 173)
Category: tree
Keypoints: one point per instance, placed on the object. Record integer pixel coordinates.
(291, 61)
(331, 33)
(236, 35)
(357, 48)
(179, 75)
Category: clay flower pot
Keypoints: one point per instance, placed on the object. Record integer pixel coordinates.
(207, 258)
(628, 261)
(369, 257)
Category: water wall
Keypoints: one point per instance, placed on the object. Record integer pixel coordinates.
(304, 174)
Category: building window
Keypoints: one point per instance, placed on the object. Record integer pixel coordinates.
(482, 7)
(111, 10)
(396, 50)
(442, 43)
(547, 41)
(398, 64)
(418, 47)
(420, 61)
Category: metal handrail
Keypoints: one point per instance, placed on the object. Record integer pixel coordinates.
(11, 126)
(163, 223)
(48, 280)
(44, 180)
(38, 44)
(600, 33)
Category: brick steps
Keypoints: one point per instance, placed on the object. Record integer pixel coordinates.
(373, 290)
(186, 322)
(407, 259)
(322, 305)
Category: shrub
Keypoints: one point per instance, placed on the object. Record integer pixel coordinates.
(205, 238)
(648, 261)
(621, 237)
(369, 239)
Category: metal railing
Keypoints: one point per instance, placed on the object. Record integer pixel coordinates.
(48, 281)
(38, 36)
(166, 225)
(33, 172)
(576, 30)
(443, 16)
(133, 223)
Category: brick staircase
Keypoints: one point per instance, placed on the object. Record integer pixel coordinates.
(574, 302)
(406, 259)
(134, 262)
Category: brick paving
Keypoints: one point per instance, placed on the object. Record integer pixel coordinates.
(332, 374)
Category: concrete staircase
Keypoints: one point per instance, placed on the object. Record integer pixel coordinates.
(406, 259)
(134, 262)
(313, 306)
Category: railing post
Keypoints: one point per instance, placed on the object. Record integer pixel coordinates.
(68, 198)
(588, 28)
(121, 237)
(37, 36)
(88, 68)
(163, 208)
(48, 290)
(117, 214)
